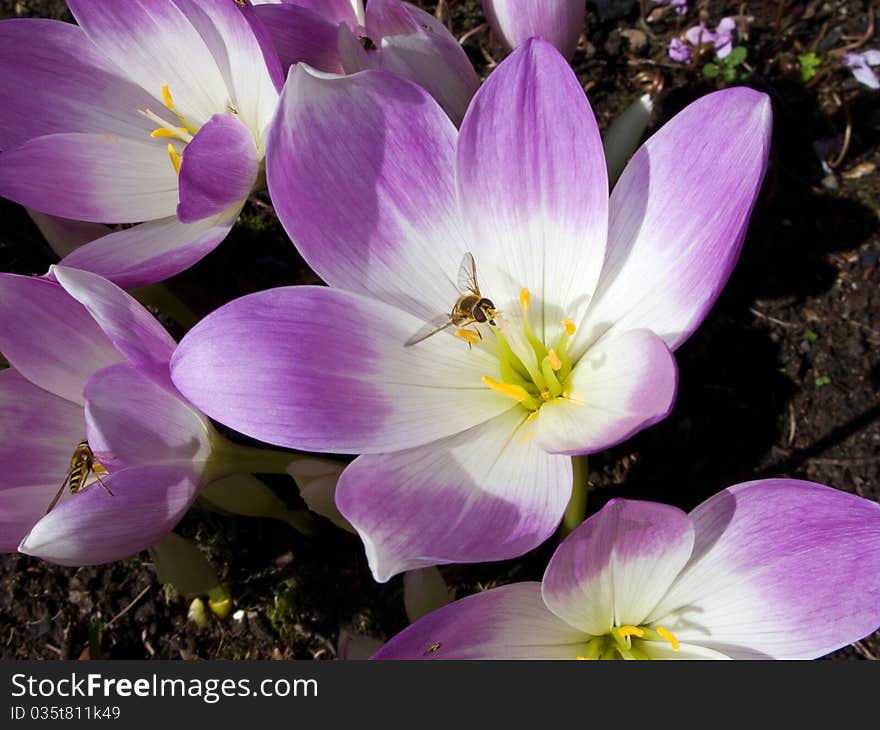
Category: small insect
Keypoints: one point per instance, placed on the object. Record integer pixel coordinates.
(433, 649)
(471, 308)
(82, 463)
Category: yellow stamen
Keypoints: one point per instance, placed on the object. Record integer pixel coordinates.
(546, 395)
(525, 298)
(517, 392)
(531, 417)
(582, 658)
(167, 98)
(631, 631)
(555, 362)
(175, 158)
(98, 468)
(569, 326)
(469, 336)
(666, 634)
(163, 132)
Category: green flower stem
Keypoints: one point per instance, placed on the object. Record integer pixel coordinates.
(230, 458)
(577, 506)
(163, 299)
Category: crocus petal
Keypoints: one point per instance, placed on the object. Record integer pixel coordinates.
(49, 337)
(678, 218)
(219, 169)
(781, 568)
(91, 177)
(235, 45)
(65, 235)
(615, 567)
(534, 187)
(300, 34)
(132, 330)
(152, 251)
(350, 12)
(21, 508)
(389, 17)
(38, 434)
(434, 59)
(40, 99)
(510, 622)
(437, 503)
(154, 44)
(131, 420)
(360, 169)
(660, 650)
(621, 386)
(326, 370)
(515, 21)
(93, 527)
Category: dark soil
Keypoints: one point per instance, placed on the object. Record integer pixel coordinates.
(781, 380)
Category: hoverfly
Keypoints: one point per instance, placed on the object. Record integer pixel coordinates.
(471, 307)
(82, 463)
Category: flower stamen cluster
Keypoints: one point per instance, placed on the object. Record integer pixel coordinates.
(624, 642)
(531, 373)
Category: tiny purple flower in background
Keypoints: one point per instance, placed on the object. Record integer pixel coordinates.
(338, 36)
(679, 6)
(699, 35)
(772, 569)
(679, 51)
(721, 38)
(861, 64)
(154, 112)
(464, 447)
(89, 363)
(560, 22)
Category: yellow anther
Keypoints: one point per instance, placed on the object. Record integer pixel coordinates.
(525, 298)
(98, 468)
(175, 158)
(517, 392)
(470, 336)
(631, 631)
(569, 326)
(582, 658)
(546, 396)
(163, 132)
(666, 634)
(167, 98)
(555, 362)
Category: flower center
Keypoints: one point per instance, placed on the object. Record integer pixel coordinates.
(627, 642)
(530, 373)
(182, 133)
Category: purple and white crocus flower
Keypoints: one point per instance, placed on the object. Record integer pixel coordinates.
(560, 22)
(772, 569)
(465, 443)
(90, 363)
(339, 36)
(154, 112)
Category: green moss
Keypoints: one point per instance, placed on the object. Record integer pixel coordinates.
(284, 614)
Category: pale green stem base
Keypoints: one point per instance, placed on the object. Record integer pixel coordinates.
(577, 505)
(163, 299)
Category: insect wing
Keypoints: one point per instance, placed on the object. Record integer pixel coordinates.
(467, 275)
(438, 324)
